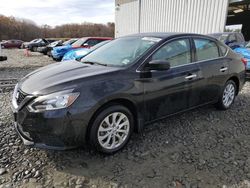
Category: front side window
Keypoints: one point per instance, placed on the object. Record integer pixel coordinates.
(206, 49)
(176, 53)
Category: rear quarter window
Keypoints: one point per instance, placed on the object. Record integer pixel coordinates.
(206, 49)
(223, 49)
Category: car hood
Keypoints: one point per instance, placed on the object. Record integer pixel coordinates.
(60, 76)
(76, 53)
(245, 52)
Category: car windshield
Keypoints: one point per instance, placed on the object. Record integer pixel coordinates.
(222, 37)
(121, 51)
(71, 41)
(99, 45)
(79, 42)
(34, 40)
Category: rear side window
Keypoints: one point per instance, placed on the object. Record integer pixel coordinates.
(206, 49)
(223, 49)
(176, 53)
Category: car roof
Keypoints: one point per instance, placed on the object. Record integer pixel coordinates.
(165, 35)
(224, 33)
(108, 38)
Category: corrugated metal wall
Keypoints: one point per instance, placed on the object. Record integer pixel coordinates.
(127, 17)
(195, 16)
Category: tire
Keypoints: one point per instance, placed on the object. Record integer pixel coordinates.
(231, 88)
(114, 137)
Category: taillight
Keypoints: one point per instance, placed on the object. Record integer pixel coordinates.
(244, 61)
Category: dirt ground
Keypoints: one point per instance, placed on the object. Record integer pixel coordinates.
(201, 148)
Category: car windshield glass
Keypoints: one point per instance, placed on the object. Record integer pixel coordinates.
(222, 38)
(121, 51)
(78, 43)
(39, 40)
(71, 41)
(34, 40)
(99, 45)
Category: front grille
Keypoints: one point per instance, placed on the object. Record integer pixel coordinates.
(20, 97)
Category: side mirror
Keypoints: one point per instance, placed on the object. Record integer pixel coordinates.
(159, 65)
(85, 44)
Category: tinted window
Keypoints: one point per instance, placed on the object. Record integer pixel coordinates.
(232, 37)
(223, 49)
(176, 53)
(93, 42)
(206, 49)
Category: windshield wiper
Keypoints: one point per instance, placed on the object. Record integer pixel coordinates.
(94, 63)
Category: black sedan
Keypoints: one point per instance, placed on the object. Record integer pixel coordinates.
(34, 44)
(122, 86)
(46, 50)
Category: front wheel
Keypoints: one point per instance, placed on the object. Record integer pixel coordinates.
(111, 129)
(227, 96)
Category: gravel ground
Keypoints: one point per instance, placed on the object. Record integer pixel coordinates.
(201, 148)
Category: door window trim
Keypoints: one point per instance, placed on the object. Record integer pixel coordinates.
(193, 52)
(140, 67)
(216, 42)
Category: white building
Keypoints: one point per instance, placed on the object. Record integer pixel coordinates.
(193, 16)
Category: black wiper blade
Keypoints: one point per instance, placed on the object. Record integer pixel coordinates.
(94, 63)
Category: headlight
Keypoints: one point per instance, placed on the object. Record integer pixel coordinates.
(53, 101)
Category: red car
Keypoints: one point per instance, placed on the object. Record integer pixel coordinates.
(11, 44)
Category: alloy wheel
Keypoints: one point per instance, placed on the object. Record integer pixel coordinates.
(228, 95)
(113, 130)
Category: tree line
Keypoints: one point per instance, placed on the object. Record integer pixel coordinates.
(26, 30)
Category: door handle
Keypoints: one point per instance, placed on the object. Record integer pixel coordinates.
(223, 69)
(189, 77)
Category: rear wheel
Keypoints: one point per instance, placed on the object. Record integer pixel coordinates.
(111, 129)
(227, 96)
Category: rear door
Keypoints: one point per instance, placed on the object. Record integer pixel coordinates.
(210, 58)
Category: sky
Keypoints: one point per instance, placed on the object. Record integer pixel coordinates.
(57, 12)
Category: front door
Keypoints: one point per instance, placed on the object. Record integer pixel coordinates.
(168, 92)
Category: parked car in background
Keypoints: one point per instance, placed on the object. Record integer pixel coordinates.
(85, 42)
(25, 44)
(236, 42)
(34, 44)
(248, 45)
(79, 53)
(123, 85)
(46, 50)
(11, 43)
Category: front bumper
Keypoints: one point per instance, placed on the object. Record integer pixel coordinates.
(58, 129)
(42, 49)
(57, 55)
(28, 141)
